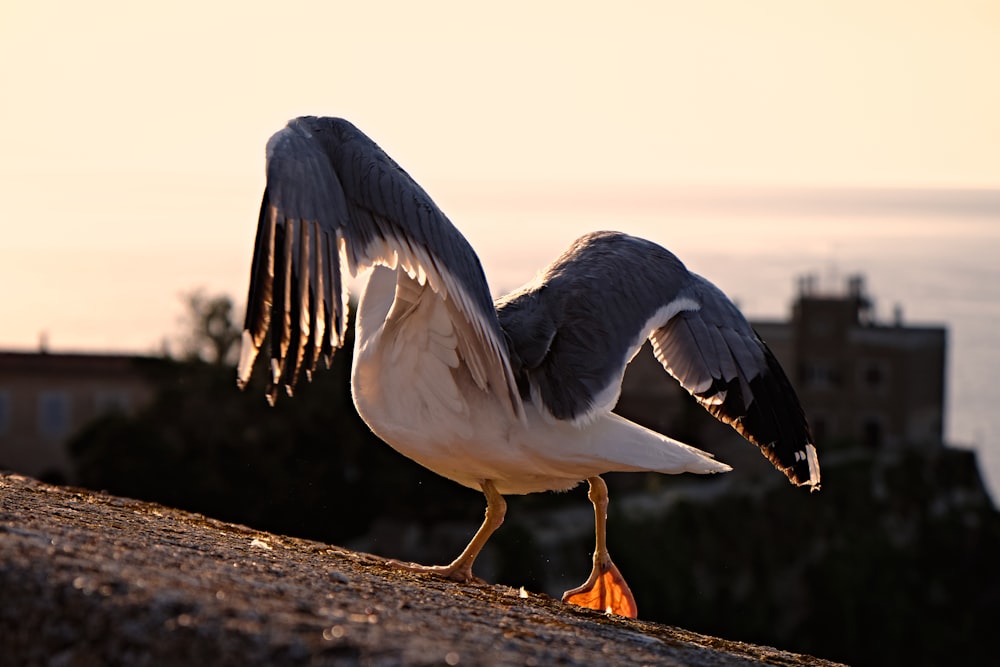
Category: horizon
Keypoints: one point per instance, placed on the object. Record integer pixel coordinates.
(692, 223)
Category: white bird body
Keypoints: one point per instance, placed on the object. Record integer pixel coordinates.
(512, 396)
(411, 390)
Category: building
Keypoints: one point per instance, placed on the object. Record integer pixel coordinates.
(46, 398)
(861, 381)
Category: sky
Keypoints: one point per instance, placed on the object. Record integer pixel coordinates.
(133, 134)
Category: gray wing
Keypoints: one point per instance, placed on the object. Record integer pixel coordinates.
(335, 203)
(577, 326)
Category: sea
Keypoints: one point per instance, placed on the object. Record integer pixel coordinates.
(929, 256)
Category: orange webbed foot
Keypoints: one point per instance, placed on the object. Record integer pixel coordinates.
(605, 591)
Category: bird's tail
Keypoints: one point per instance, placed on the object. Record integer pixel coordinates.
(628, 447)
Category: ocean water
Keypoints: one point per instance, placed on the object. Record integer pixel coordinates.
(938, 267)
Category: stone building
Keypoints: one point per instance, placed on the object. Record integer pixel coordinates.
(46, 398)
(860, 380)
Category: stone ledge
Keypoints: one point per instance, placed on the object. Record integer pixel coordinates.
(92, 579)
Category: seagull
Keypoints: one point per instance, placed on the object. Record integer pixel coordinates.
(512, 396)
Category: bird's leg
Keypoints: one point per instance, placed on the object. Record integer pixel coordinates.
(460, 569)
(606, 589)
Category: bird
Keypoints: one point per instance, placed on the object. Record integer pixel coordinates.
(506, 396)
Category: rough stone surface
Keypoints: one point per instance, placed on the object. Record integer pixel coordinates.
(91, 579)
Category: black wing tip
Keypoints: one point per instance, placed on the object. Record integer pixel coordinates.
(773, 421)
(811, 459)
(805, 471)
(782, 421)
(799, 462)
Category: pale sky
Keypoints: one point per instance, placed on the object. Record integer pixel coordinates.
(133, 133)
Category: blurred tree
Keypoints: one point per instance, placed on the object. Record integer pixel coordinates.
(308, 467)
(211, 334)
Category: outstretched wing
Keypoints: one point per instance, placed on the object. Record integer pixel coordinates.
(334, 204)
(577, 326)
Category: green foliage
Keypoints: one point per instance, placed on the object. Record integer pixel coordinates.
(307, 467)
(889, 564)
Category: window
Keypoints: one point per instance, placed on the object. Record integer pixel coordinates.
(111, 402)
(873, 376)
(819, 427)
(4, 411)
(819, 374)
(872, 432)
(54, 414)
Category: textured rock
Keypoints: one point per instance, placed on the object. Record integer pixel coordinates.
(92, 579)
